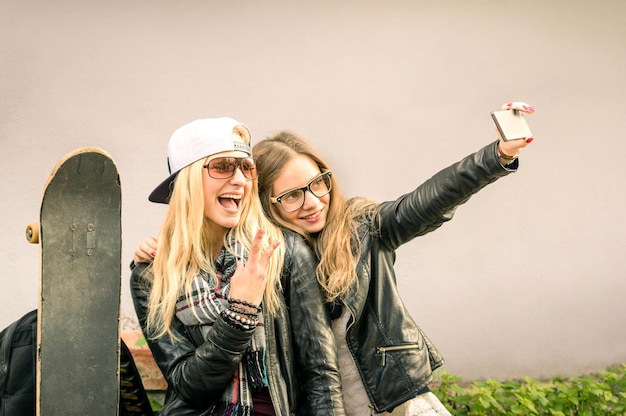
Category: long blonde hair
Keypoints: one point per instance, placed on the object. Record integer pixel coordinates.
(185, 248)
(337, 245)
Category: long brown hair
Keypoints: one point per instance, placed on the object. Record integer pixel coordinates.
(337, 245)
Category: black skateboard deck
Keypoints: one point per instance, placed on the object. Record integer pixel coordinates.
(78, 338)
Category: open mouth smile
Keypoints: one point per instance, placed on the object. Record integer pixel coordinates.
(230, 201)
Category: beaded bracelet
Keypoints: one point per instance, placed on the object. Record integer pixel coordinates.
(244, 303)
(237, 321)
(242, 311)
(237, 325)
(239, 318)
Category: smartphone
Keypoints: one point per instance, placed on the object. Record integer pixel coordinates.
(511, 124)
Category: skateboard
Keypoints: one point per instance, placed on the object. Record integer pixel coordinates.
(78, 336)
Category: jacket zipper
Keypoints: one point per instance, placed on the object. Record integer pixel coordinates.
(384, 350)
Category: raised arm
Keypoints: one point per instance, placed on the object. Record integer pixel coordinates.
(435, 201)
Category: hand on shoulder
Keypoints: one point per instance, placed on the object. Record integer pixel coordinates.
(145, 251)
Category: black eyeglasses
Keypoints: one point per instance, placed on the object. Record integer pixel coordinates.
(293, 199)
(224, 167)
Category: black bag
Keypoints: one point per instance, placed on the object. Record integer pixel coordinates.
(18, 344)
(133, 397)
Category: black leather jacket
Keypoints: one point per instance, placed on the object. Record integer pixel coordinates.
(394, 356)
(301, 354)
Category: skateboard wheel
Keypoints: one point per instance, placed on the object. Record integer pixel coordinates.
(32, 233)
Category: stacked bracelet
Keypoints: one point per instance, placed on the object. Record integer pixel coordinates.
(241, 314)
(240, 302)
(242, 311)
(237, 321)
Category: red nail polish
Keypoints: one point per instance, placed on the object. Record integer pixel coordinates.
(509, 104)
(530, 139)
(153, 254)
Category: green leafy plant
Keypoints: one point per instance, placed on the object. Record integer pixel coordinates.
(589, 395)
(141, 341)
(154, 404)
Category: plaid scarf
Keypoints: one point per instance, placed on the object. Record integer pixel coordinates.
(208, 300)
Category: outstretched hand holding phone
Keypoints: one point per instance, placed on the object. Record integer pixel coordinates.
(512, 128)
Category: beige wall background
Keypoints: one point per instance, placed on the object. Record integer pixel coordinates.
(528, 279)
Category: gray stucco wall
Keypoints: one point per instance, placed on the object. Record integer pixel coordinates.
(529, 277)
